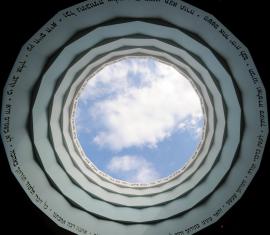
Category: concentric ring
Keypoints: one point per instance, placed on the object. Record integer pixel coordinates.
(44, 159)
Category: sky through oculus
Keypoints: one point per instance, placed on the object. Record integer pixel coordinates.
(139, 120)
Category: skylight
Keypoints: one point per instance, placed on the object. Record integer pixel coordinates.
(139, 119)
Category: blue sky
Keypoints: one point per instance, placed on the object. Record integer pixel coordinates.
(138, 119)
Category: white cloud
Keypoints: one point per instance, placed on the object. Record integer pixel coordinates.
(145, 175)
(114, 78)
(193, 126)
(146, 115)
(198, 132)
(136, 169)
(146, 102)
(124, 163)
